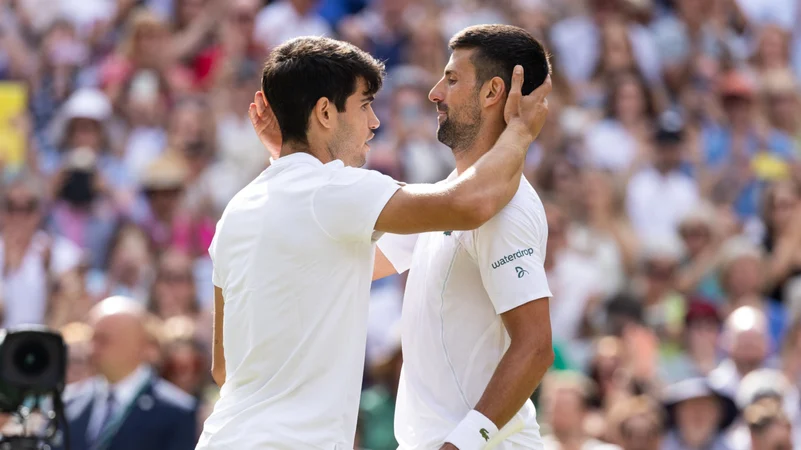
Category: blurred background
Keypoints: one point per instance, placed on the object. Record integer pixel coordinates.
(669, 168)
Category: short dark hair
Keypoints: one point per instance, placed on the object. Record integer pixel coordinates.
(499, 48)
(301, 71)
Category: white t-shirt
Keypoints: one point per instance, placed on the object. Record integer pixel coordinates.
(293, 255)
(656, 203)
(279, 22)
(452, 334)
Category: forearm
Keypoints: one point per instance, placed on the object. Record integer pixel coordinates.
(466, 202)
(519, 373)
(218, 362)
(218, 350)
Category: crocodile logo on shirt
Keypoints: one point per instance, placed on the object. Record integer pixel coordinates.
(521, 272)
(484, 434)
(447, 233)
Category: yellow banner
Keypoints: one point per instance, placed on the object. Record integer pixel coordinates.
(13, 132)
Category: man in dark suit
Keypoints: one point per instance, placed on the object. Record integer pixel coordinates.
(126, 406)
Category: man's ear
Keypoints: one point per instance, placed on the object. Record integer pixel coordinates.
(493, 92)
(324, 113)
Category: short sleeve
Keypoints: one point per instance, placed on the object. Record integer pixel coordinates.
(510, 251)
(348, 207)
(398, 248)
(215, 272)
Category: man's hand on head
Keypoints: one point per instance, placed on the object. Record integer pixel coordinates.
(527, 112)
(265, 124)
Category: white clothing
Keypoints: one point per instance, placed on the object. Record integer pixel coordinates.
(610, 146)
(25, 290)
(656, 203)
(293, 255)
(279, 22)
(452, 334)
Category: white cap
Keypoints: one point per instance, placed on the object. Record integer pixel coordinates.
(85, 103)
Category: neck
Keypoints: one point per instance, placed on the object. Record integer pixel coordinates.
(663, 169)
(744, 369)
(485, 139)
(569, 438)
(318, 151)
(114, 378)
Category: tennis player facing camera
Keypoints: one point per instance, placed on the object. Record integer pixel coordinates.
(294, 250)
(475, 326)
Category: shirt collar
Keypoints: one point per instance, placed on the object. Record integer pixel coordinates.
(300, 158)
(126, 389)
(296, 158)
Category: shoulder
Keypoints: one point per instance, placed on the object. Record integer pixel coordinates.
(340, 175)
(171, 396)
(525, 208)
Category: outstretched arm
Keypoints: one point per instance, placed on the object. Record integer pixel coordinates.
(476, 195)
(472, 198)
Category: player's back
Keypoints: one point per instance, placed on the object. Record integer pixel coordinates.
(295, 312)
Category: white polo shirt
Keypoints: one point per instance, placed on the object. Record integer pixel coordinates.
(293, 255)
(452, 334)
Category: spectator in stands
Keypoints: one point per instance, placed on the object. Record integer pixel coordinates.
(781, 96)
(184, 362)
(781, 214)
(746, 343)
(661, 194)
(698, 354)
(701, 236)
(730, 146)
(126, 406)
(697, 415)
(742, 278)
(173, 291)
(128, 270)
(770, 429)
(32, 260)
(629, 117)
(765, 385)
(638, 423)
(83, 210)
(564, 400)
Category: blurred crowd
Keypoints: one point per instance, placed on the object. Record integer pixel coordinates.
(669, 168)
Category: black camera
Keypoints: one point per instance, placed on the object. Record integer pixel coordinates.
(33, 366)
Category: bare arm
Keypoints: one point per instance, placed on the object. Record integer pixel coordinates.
(218, 356)
(522, 367)
(474, 197)
(382, 267)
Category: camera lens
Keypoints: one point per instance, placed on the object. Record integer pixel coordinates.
(31, 358)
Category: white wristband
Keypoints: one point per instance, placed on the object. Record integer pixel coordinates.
(473, 432)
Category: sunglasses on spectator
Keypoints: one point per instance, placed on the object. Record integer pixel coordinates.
(28, 207)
